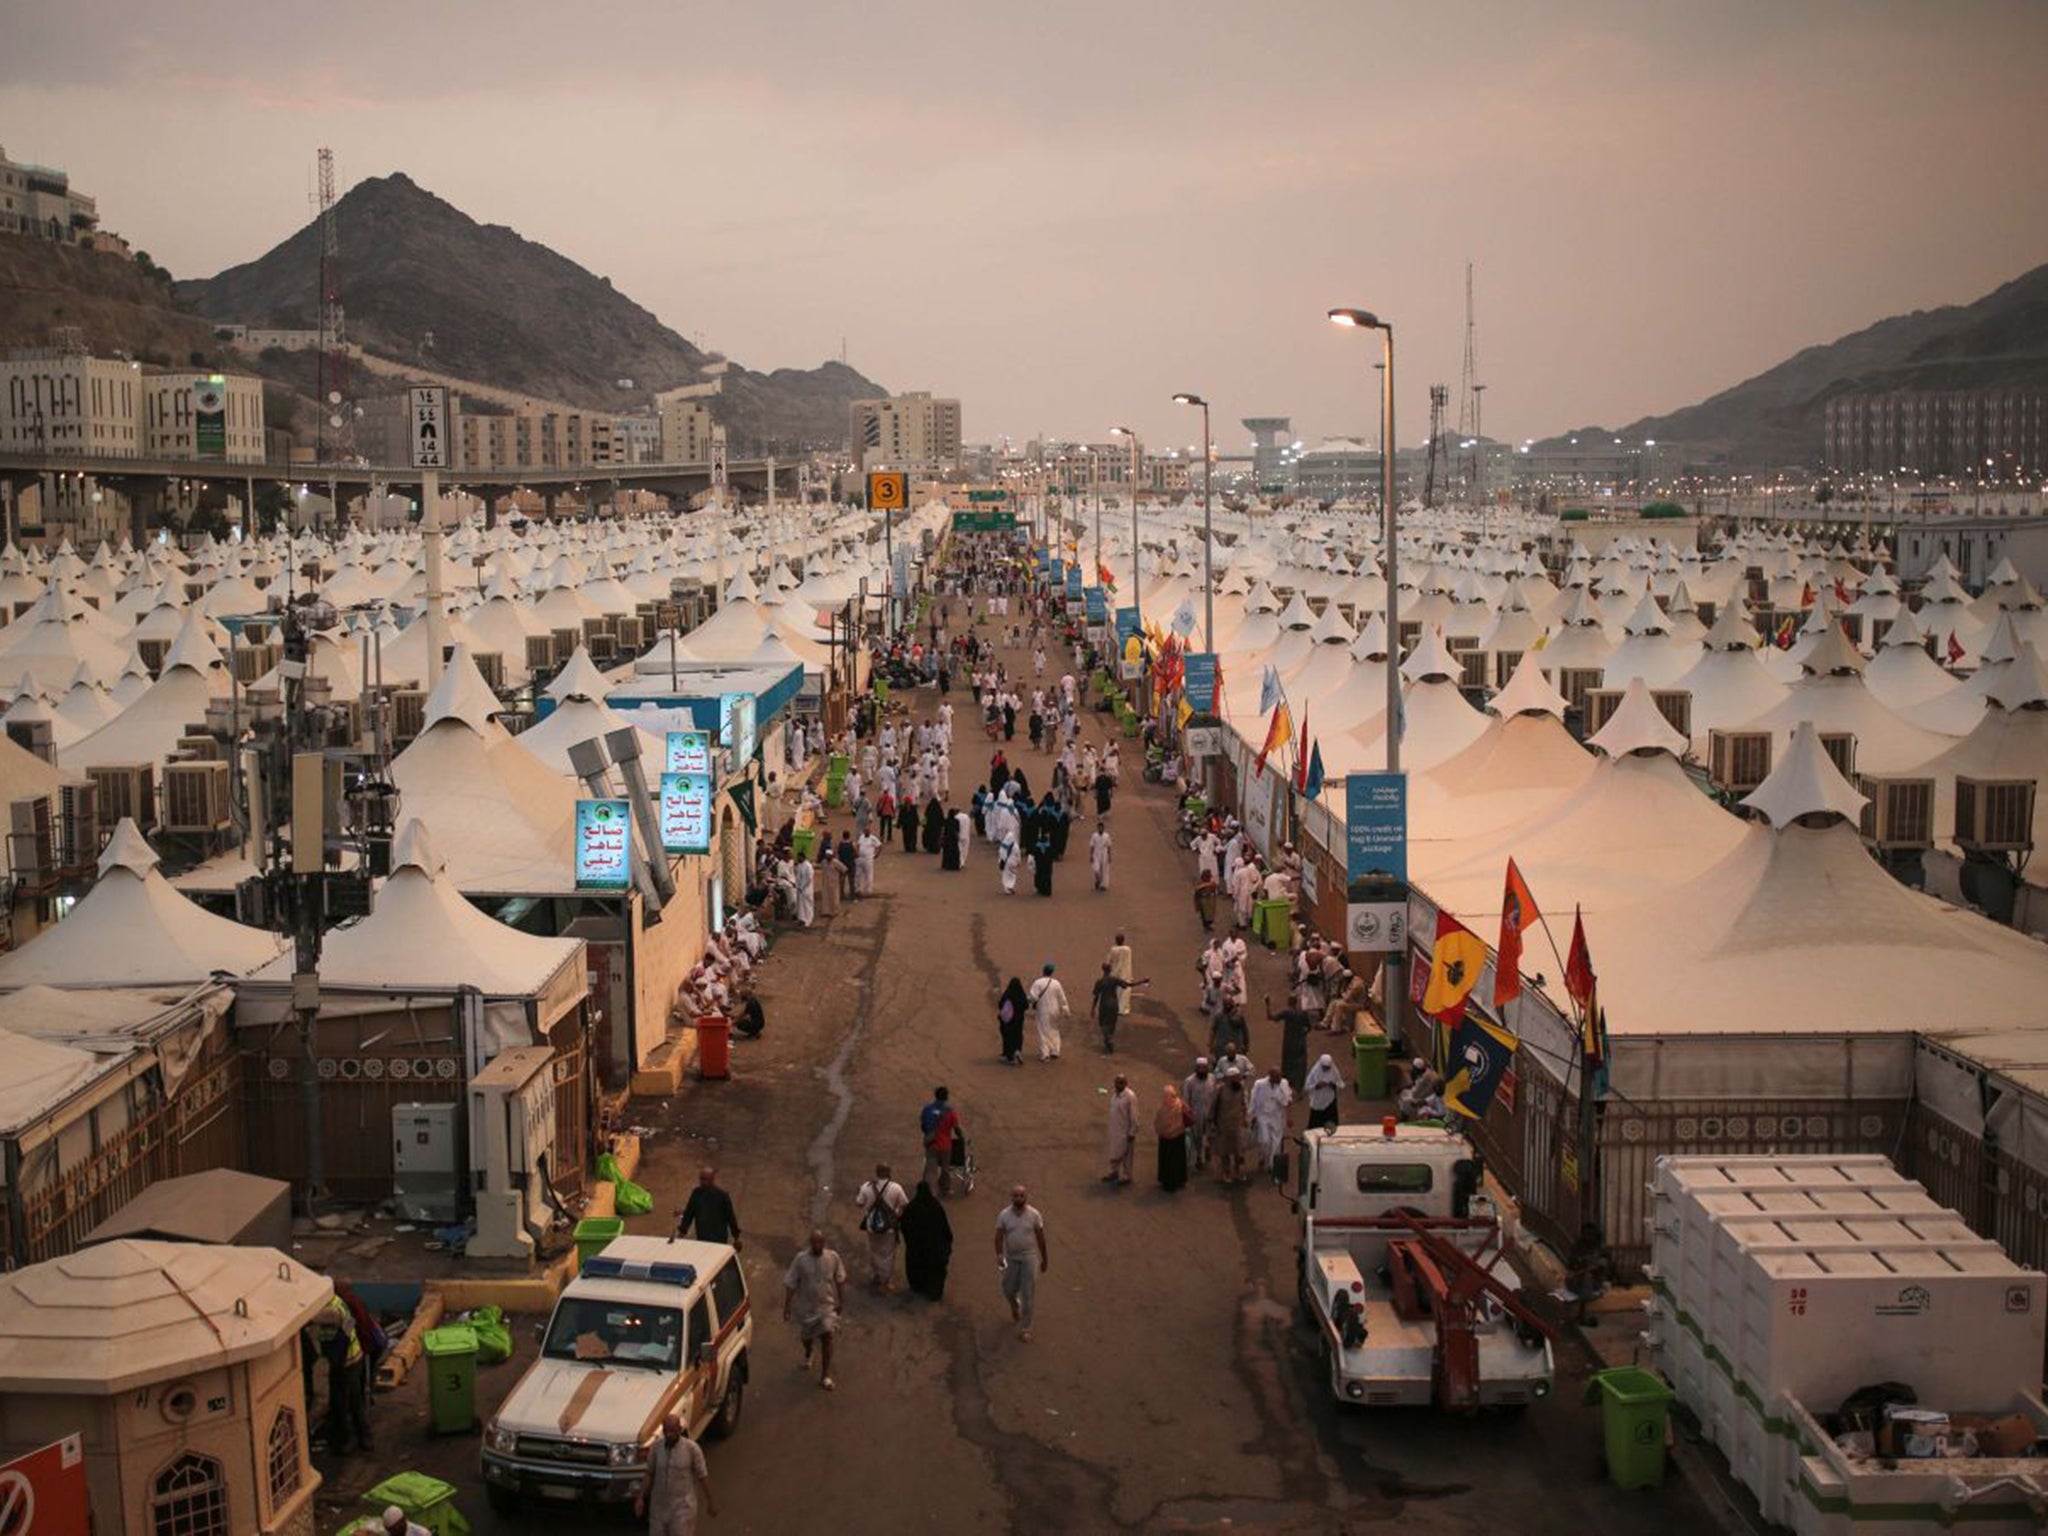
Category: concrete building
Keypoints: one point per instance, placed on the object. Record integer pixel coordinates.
(171, 417)
(1974, 544)
(1337, 469)
(915, 432)
(1271, 436)
(37, 200)
(636, 439)
(686, 429)
(1990, 434)
(70, 403)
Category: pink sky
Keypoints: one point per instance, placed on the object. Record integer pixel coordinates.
(1063, 213)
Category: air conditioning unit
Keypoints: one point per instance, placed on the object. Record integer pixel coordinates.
(1504, 664)
(1706, 613)
(1852, 626)
(254, 661)
(1675, 705)
(1994, 815)
(1900, 813)
(1840, 747)
(1599, 705)
(566, 641)
(1576, 682)
(515, 721)
(1738, 761)
(1411, 634)
(632, 636)
(592, 628)
(604, 649)
(491, 664)
(408, 713)
(196, 797)
(540, 653)
(1879, 628)
(1459, 643)
(125, 789)
(199, 747)
(32, 841)
(78, 825)
(152, 653)
(34, 737)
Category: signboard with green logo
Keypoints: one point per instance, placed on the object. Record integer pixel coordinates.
(984, 522)
(210, 417)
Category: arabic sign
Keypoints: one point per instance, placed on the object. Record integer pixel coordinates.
(1098, 605)
(1199, 682)
(604, 840)
(688, 752)
(429, 426)
(1376, 862)
(1074, 588)
(685, 812)
(1126, 623)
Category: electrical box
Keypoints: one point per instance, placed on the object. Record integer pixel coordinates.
(511, 1128)
(426, 1161)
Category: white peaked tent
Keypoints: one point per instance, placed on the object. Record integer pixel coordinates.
(2009, 742)
(580, 713)
(133, 930)
(1524, 763)
(423, 937)
(1834, 699)
(1729, 683)
(147, 731)
(504, 821)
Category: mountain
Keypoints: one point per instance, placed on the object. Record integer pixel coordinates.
(1776, 418)
(117, 306)
(425, 284)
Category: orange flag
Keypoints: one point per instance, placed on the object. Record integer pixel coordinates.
(1278, 734)
(1517, 912)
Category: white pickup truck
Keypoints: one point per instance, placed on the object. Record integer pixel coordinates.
(1405, 1274)
(652, 1326)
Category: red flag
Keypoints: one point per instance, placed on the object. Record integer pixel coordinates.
(1806, 595)
(1517, 912)
(1788, 631)
(1301, 756)
(1955, 649)
(1278, 734)
(1841, 592)
(1584, 987)
(1105, 576)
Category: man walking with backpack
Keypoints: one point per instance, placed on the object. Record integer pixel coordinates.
(881, 1201)
(939, 1123)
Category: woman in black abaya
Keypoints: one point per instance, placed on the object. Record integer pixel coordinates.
(934, 824)
(927, 1243)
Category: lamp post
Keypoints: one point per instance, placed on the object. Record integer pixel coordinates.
(1395, 989)
(1208, 542)
(1137, 602)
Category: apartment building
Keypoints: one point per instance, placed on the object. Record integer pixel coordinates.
(70, 403)
(915, 432)
(1992, 434)
(38, 200)
(686, 429)
(174, 426)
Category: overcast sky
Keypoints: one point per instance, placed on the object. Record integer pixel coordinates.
(1062, 213)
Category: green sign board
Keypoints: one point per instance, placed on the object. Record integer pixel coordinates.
(210, 417)
(988, 495)
(984, 522)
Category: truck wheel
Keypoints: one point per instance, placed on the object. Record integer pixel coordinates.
(503, 1501)
(727, 1420)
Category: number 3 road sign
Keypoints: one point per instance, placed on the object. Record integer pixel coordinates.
(888, 491)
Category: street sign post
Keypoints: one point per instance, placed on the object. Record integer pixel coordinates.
(429, 417)
(1376, 862)
(888, 491)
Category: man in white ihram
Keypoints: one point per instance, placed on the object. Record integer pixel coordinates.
(675, 1473)
(1048, 1008)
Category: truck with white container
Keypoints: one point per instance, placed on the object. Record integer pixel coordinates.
(1406, 1275)
(651, 1326)
(1862, 1358)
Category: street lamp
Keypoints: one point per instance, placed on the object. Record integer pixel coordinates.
(1366, 320)
(1137, 602)
(1208, 545)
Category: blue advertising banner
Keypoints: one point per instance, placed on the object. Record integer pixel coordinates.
(1059, 572)
(604, 841)
(1073, 584)
(1098, 605)
(1126, 624)
(1200, 682)
(1376, 862)
(688, 752)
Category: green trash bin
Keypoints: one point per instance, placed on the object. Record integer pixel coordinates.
(1634, 1406)
(1272, 920)
(592, 1233)
(802, 840)
(451, 1377)
(426, 1500)
(1369, 1056)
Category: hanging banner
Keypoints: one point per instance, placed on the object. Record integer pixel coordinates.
(1376, 862)
(685, 812)
(604, 840)
(688, 752)
(1126, 624)
(1074, 588)
(1098, 605)
(1200, 682)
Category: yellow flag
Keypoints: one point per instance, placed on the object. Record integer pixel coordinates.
(1187, 713)
(1454, 967)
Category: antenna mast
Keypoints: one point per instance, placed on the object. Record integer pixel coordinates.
(1439, 397)
(1468, 392)
(333, 371)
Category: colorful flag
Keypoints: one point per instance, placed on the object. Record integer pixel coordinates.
(1841, 592)
(1184, 618)
(1301, 756)
(1480, 1055)
(1517, 912)
(1278, 734)
(1955, 649)
(1315, 770)
(1270, 691)
(1454, 967)
(1788, 631)
(1806, 595)
(1106, 575)
(1584, 987)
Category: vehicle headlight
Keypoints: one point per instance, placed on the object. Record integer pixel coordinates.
(500, 1439)
(626, 1455)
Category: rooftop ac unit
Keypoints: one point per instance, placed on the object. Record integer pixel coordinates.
(1504, 664)
(1600, 705)
(32, 841)
(1457, 643)
(196, 797)
(1706, 613)
(1411, 634)
(632, 636)
(125, 789)
(1879, 628)
(408, 713)
(604, 649)
(33, 736)
(1840, 746)
(1852, 626)
(152, 653)
(566, 641)
(491, 664)
(1576, 682)
(540, 653)
(1900, 813)
(1738, 761)
(601, 625)
(198, 746)
(1675, 705)
(78, 828)
(1994, 815)
(254, 661)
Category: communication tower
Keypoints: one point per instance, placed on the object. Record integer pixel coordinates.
(333, 370)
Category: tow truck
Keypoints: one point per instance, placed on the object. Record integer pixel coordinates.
(1405, 1273)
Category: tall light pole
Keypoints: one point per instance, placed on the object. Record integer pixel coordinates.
(1208, 543)
(1137, 602)
(1395, 989)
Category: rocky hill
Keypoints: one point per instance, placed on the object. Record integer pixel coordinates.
(426, 284)
(1776, 418)
(118, 306)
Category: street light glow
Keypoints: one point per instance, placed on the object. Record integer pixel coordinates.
(1358, 319)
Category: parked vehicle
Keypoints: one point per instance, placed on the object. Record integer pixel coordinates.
(651, 1326)
(1405, 1274)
